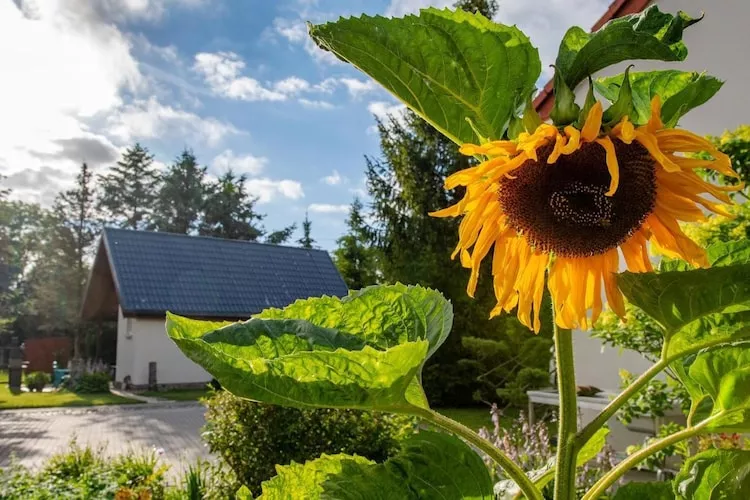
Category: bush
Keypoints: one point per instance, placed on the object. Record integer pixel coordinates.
(253, 437)
(36, 381)
(92, 383)
(84, 472)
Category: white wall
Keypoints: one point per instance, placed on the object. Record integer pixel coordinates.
(149, 342)
(720, 46)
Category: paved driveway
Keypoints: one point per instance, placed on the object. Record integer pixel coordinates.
(33, 435)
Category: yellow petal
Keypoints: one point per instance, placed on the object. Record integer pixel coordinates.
(612, 166)
(555, 154)
(654, 122)
(593, 124)
(624, 130)
(574, 140)
(649, 142)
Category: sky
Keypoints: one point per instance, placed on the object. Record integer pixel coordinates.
(237, 81)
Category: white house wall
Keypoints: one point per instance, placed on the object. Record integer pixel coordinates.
(719, 46)
(147, 342)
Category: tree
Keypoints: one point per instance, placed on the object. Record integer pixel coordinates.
(354, 257)
(406, 184)
(306, 240)
(230, 211)
(74, 229)
(180, 199)
(129, 189)
(280, 236)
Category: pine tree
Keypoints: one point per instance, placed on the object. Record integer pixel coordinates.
(129, 189)
(180, 199)
(280, 236)
(73, 231)
(230, 211)
(354, 257)
(406, 184)
(306, 240)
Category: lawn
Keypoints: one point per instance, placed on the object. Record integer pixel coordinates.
(8, 400)
(473, 418)
(179, 394)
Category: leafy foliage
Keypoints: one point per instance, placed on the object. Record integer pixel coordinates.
(354, 257)
(251, 438)
(648, 35)
(36, 381)
(181, 195)
(437, 64)
(229, 210)
(680, 91)
(92, 383)
(641, 491)
(714, 474)
(430, 465)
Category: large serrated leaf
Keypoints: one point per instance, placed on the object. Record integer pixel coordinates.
(680, 91)
(363, 351)
(448, 66)
(649, 35)
(430, 465)
(718, 381)
(715, 475)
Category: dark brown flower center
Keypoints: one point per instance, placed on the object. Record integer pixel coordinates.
(562, 207)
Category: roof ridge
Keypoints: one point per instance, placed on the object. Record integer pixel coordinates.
(110, 229)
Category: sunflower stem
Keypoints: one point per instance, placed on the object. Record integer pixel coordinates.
(510, 468)
(565, 473)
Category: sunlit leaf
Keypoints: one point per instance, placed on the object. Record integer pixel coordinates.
(715, 475)
(680, 91)
(649, 35)
(430, 465)
(364, 351)
(445, 65)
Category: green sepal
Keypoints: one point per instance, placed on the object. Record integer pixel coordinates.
(587, 105)
(528, 121)
(565, 110)
(623, 106)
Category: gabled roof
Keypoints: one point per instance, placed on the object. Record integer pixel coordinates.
(148, 273)
(544, 101)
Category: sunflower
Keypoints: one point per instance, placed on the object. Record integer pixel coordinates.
(562, 205)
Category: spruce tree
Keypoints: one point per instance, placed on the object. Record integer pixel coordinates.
(354, 257)
(128, 191)
(230, 210)
(280, 236)
(180, 199)
(306, 240)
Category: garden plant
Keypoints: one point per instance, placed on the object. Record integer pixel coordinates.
(555, 205)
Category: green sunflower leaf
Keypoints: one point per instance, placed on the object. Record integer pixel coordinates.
(623, 105)
(680, 91)
(714, 475)
(649, 35)
(364, 351)
(677, 298)
(445, 65)
(645, 491)
(718, 381)
(430, 465)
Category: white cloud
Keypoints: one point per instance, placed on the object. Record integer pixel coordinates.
(326, 208)
(292, 85)
(293, 30)
(243, 164)
(358, 88)
(315, 104)
(398, 8)
(221, 71)
(267, 189)
(150, 10)
(334, 179)
(149, 119)
(384, 111)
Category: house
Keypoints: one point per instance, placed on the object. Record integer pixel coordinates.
(716, 45)
(138, 275)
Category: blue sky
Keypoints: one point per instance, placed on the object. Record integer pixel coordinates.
(238, 81)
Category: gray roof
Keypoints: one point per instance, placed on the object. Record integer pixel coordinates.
(203, 277)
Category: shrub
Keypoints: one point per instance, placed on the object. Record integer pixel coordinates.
(36, 381)
(253, 437)
(92, 383)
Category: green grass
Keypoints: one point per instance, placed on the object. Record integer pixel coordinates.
(473, 418)
(8, 400)
(179, 394)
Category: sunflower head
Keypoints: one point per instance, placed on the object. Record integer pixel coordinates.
(563, 205)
